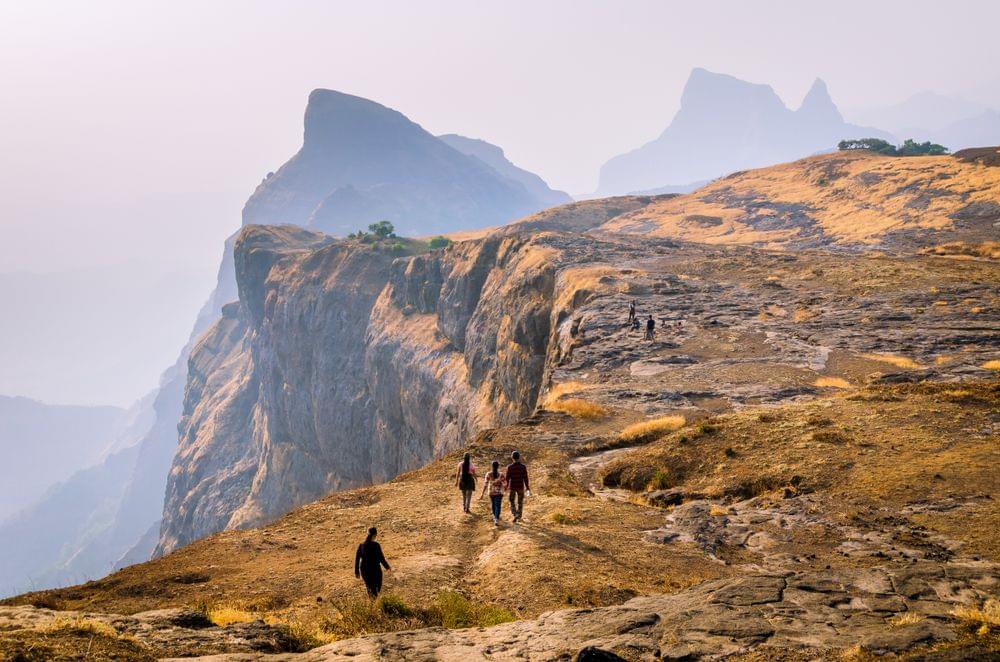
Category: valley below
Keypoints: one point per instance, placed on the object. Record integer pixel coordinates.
(800, 464)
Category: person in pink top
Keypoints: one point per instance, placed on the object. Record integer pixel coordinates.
(465, 479)
(494, 483)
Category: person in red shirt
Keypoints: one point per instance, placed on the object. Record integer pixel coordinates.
(516, 476)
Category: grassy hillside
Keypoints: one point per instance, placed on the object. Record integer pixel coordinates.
(842, 198)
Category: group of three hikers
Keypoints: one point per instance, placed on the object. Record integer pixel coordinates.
(369, 559)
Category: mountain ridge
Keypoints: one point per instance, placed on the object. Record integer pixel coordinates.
(724, 125)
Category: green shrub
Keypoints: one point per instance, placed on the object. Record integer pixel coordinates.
(382, 230)
(909, 147)
(661, 480)
(439, 242)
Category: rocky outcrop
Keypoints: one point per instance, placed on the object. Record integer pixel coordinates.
(786, 615)
(342, 365)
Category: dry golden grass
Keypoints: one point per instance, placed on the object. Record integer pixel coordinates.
(227, 614)
(579, 408)
(80, 625)
(846, 206)
(832, 382)
(718, 511)
(647, 430)
(940, 302)
(905, 618)
(893, 359)
(984, 619)
(992, 365)
(803, 315)
(987, 249)
(561, 389)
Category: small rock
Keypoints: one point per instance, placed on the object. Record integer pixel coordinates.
(595, 654)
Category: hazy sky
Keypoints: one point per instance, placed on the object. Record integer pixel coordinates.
(132, 128)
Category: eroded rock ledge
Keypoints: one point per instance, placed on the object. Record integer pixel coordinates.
(341, 366)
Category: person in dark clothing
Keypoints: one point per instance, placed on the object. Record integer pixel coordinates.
(516, 476)
(465, 479)
(631, 311)
(650, 327)
(368, 563)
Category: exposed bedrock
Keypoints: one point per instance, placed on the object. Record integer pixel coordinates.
(341, 365)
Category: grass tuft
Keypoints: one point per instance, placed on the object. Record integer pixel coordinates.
(80, 626)
(579, 408)
(906, 618)
(992, 365)
(564, 388)
(227, 614)
(562, 518)
(832, 382)
(648, 430)
(390, 613)
(893, 359)
(984, 619)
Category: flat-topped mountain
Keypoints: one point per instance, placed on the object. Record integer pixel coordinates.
(726, 124)
(361, 162)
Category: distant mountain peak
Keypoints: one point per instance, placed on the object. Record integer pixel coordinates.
(817, 103)
(726, 124)
(361, 161)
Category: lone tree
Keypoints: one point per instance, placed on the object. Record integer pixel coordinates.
(909, 148)
(382, 230)
(439, 242)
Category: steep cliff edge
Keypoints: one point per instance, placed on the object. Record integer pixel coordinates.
(342, 365)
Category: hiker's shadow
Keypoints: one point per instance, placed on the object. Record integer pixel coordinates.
(562, 540)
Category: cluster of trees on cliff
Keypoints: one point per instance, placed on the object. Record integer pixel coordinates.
(381, 232)
(909, 148)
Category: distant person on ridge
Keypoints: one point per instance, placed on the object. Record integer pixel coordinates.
(465, 479)
(517, 484)
(368, 563)
(494, 484)
(650, 327)
(631, 311)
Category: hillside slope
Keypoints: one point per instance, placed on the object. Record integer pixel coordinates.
(843, 199)
(335, 341)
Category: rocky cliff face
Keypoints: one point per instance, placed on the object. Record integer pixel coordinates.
(342, 366)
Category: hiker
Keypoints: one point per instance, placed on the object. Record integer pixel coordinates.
(631, 311)
(516, 476)
(465, 479)
(635, 325)
(650, 326)
(494, 484)
(368, 563)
